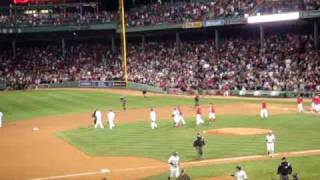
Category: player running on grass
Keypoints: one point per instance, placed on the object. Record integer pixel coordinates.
(199, 119)
(212, 113)
(153, 119)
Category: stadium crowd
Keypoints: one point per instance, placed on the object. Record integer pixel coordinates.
(166, 12)
(178, 12)
(58, 18)
(288, 62)
(35, 65)
(279, 6)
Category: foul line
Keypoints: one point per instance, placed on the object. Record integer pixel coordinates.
(73, 175)
(191, 163)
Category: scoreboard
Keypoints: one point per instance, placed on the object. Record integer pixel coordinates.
(35, 1)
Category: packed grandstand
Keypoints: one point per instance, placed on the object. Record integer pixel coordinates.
(286, 60)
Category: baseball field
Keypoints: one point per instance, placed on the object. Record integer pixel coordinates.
(49, 134)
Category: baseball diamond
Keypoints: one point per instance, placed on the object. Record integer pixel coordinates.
(159, 90)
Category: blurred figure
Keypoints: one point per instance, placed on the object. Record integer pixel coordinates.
(153, 118)
(183, 175)
(284, 169)
(240, 174)
(198, 144)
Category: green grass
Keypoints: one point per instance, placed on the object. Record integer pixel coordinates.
(293, 133)
(20, 105)
(306, 167)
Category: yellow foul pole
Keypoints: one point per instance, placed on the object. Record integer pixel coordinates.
(123, 40)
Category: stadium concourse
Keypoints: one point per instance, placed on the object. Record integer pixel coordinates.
(288, 63)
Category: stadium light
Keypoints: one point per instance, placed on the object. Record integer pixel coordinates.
(273, 17)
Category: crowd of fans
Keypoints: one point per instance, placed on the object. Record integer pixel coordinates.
(166, 12)
(58, 18)
(279, 6)
(33, 66)
(178, 12)
(288, 62)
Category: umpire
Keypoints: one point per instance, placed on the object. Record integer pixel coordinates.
(284, 169)
(198, 144)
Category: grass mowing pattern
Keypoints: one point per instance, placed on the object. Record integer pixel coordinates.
(19, 105)
(306, 167)
(293, 133)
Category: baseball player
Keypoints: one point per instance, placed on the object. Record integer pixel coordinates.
(123, 100)
(98, 119)
(270, 140)
(317, 104)
(111, 118)
(174, 162)
(182, 121)
(153, 118)
(313, 104)
(196, 101)
(176, 117)
(94, 117)
(300, 104)
(212, 114)
(1, 118)
(240, 174)
(264, 110)
(199, 119)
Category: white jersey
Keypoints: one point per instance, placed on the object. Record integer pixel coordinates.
(270, 138)
(153, 116)
(1, 115)
(241, 175)
(174, 161)
(176, 114)
(98, 115)
(111, 116)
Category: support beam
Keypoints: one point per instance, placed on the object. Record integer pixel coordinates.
(178, 40)
(316, 33)
(261, 29)
(113, 44)
(216, 39)
(14, 49)
(143, 41)
(63, 47)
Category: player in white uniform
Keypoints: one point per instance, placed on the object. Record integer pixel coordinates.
(98, 117)
(182, 121)
(1, 118)
(240, 174)
(174, 162)
(111, 117)
(270, 140)
(176, 117)
(153, 118)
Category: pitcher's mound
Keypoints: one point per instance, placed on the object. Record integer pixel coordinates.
(238, 131)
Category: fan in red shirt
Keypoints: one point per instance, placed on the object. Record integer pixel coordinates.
(199, 119)
(212, 113)
(300, 103)
(264, 110)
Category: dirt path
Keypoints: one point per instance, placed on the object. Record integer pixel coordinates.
(27, 154)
